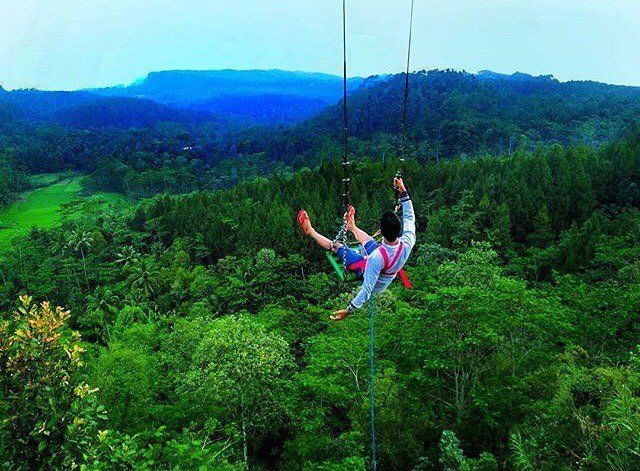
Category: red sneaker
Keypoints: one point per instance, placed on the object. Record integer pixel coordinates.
(303, 221)
(350, 216)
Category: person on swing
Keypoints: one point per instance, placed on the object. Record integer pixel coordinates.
(379, 264)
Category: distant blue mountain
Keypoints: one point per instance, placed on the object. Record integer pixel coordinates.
(123, 112)
(263, 96)
(261, 109)
(238, 97)
(515, 77)
(35, 103)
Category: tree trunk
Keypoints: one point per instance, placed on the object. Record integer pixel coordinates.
(245, 445)
(84, 267)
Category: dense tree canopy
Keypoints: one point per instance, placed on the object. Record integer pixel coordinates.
(194, 331)
(204, 320)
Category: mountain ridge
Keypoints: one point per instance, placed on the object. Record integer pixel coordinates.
(276, 93)
(456, 113)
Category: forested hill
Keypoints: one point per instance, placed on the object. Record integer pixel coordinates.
(261, 96)
(242, 98)
(36, 104)
(124, 113)
(452, 113)
(188, 86)
(86, 110)
(206, 342)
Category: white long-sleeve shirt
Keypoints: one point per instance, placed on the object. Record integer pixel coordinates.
(375, 281)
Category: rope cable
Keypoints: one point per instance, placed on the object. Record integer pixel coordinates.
(405, 110)
(406, 89)
(346, 180)
(372, 369)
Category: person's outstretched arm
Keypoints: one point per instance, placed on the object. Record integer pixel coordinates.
(408, 216)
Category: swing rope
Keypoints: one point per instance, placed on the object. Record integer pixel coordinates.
(346, 180)
(346, 201)
(406, 88)
(405, 108)
(372, 369)
(342, 234)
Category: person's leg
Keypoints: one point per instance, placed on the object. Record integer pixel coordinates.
(361, 236)
(307, 229)
(352, 259)
(322, 241)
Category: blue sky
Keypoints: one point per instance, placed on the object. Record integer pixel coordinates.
(68, 44)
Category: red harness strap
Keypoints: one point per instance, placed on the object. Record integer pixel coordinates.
(359, 265)
(362, 264)
(387, 265)
(385, 256)
(404, 278)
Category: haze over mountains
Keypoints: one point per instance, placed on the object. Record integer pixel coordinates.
(450, 112)
(246, 97)
(264, 96)
(241, 96)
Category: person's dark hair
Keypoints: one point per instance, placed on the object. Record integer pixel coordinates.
(390, 226)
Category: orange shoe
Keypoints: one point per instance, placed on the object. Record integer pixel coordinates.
(303, 221)
(350, 216)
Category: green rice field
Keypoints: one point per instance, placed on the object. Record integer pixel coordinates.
(41, 207)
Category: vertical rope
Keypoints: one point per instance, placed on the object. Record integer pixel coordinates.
(406, 88)
(372, 404)
(346, 180)
(405, 108)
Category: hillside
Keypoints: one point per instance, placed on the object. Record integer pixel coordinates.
(259, 95)
(35, 104)
(47, 205)
(452, 113)
(123, 112)
(265, 109)
(205, 315)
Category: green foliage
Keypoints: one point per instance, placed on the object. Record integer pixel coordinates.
(49, 418)
(204, 317)
(594, 417)
(45, 207)
(240, 375)
(12, 181)
(452, 457)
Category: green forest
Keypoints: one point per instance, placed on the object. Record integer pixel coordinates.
(185, 325)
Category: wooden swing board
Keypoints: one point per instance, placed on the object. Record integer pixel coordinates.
(337, 266)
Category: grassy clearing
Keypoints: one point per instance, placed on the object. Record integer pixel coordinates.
(47, 179)
(41, 207)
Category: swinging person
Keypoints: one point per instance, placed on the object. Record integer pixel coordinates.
(379, 264)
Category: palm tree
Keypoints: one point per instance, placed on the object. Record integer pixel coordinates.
(144, 278)
(102, 303)
(127, 256)
(81, 241)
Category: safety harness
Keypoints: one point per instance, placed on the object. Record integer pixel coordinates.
(361, 265)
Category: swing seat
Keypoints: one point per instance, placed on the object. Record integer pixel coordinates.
(337, 266)
(345, 273)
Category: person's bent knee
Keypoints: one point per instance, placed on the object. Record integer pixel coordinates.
(335, 247)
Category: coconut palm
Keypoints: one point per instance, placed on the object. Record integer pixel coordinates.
(101, 304)
(144, 278)
(81, 241)
(128, 256)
